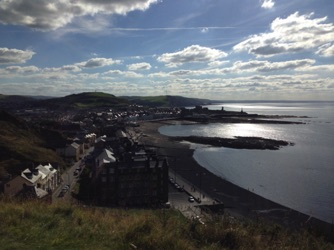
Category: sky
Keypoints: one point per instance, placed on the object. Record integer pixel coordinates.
(212, 49)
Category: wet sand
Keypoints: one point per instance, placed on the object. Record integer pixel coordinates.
(240, 202)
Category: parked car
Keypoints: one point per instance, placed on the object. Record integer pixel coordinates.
(191, 199)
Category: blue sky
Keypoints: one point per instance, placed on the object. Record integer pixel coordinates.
(215, 49)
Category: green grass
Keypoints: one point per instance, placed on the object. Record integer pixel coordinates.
(36, 225)
(22, 146)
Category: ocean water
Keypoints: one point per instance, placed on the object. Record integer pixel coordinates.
(300, 177)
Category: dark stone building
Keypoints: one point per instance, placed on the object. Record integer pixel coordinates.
(139, 181)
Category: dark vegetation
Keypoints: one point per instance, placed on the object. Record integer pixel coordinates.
(22, 145)
(84, 101)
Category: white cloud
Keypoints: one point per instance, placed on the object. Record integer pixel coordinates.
(326, 50)
(45, 15)
(215, 64)
(205, 30)
(19, 69)
(13, 56)
(266, 66)
(97, 62)
(140, 66)
(267, 4)
(293, 34)
(191, 54)
(129, 74)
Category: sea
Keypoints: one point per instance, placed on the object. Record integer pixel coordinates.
(300, 177)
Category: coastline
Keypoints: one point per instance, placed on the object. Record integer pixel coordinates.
(238, 201)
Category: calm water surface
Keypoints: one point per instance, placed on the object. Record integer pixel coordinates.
(300, 176)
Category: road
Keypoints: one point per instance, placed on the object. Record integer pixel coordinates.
(69, 178)
(179, 197)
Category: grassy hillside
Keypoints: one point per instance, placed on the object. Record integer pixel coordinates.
(21, 145)
(166, 101)
(32, 225)
(85, 100)
(14, 98)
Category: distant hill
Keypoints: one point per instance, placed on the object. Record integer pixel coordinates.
(167, 101)
(22, 145)
(15, 98)
(84, 100)
(91, 100)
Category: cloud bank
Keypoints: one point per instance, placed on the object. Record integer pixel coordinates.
(289, 35)
(51, 15)
(191, 54)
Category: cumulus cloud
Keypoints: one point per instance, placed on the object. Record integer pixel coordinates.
(129, 74)
(292, 34)
(140, 66)
(191, 54)
(19, 69)
(97, 62)
(266, 66)
(46, 15)
(217, 63)
(326, 50)
(12, 56)
(267, 4)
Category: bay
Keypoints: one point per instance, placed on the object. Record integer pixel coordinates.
(300, 177)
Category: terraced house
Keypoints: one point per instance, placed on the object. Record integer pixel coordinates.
(39, 181)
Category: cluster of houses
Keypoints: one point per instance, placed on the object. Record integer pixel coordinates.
(121, 172)
(35, 182)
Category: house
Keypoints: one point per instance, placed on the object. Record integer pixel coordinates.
(40, 180)
(90, 140)
(73, 151)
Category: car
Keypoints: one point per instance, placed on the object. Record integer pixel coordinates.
(191, 199)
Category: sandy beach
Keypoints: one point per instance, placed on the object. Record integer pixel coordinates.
(238, 201)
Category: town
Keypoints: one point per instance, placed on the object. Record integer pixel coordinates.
(106, 161)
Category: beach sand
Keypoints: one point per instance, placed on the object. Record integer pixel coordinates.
(238, 202)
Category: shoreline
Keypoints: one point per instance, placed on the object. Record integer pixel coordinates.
(237, 200)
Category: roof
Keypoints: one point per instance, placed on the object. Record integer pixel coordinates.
(121, 134)
(40, 192)
(46, 170)
(106, 156)
(31, 176)
(75, 145)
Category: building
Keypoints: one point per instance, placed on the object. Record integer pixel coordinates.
(140, 180)
(41, 180)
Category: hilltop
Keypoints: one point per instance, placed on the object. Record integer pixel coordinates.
(21, 145)
(84, 101)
